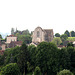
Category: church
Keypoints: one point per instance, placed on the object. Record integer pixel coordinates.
(40, 35)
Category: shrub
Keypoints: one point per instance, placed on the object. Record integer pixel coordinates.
(65, 72)
(37, 71)
(10, 69)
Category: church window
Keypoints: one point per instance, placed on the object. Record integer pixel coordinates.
(38, 33)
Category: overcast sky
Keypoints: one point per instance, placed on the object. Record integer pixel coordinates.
(58, 15)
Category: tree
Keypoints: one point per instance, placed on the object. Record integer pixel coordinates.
(64, 37)
(67, 33)
(25, 38)
(46, 58)
(69, 44)
(26, 32)
(0, 48)
(11, 55)
(12, 31)
(57, 35)
(0, 36)
(71, 51)
(23, 58)
(72, 34)
(63, 59)
(65, 72)
(10, 69)
(32, 50)
(57, 41)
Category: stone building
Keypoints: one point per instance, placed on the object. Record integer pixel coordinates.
(10, 38)
(40, 35)
(11, 41)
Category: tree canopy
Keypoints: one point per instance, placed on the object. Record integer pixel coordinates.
(57, 35)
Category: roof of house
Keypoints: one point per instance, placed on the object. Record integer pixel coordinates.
(11, 36)
(15, 43)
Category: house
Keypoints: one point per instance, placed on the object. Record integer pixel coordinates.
(11, 41)
(15, 43)
(10, 38)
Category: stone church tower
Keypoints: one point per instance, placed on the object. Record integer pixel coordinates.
(40, 35)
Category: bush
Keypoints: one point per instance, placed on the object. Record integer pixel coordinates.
(65, 72)
(10, 69)
(37, 71)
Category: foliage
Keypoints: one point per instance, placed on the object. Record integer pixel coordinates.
(72, 34)
(71, 39)
(46, 56)
(64, 37)
(2, 60)
(11, 55)
(65, 72)
(24, 36)
(37, 71)
(0, 36)
(67, 33)
(57, 35)
(10, 69)
(32, 50)
(12, 31)
(57, 41)
(69, 44)
(63, 59)
(23, 58)
(0, 48)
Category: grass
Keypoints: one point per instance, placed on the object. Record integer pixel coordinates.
(71, 39)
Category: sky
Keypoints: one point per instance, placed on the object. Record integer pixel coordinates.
(58, 15)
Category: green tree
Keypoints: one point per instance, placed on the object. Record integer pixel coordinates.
(71, 51)
(72, 34)
(69, 44)
(25, 38)
(65, 72)
(37, 71)
(32, 50)
(2, 60)
(12, 31)
(67, 33)
(26, 32)
(46, 58)
(23, 58)
(0, 48)
(57, 35)
(10, 69)
(64, 59)
(57, 41)
(0, 36)
(11, 55)
(64, 37)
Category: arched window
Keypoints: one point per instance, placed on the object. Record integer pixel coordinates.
(38, 34)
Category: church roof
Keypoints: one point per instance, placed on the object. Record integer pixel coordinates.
(48, 30)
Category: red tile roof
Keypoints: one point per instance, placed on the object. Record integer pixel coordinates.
(15, 43)
(11, 36)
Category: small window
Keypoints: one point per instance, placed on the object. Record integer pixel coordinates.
(38, 34)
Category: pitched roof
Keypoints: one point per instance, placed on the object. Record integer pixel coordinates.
(15, 43)
(11, 36)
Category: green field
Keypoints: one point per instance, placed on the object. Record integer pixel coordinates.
(71, 39)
